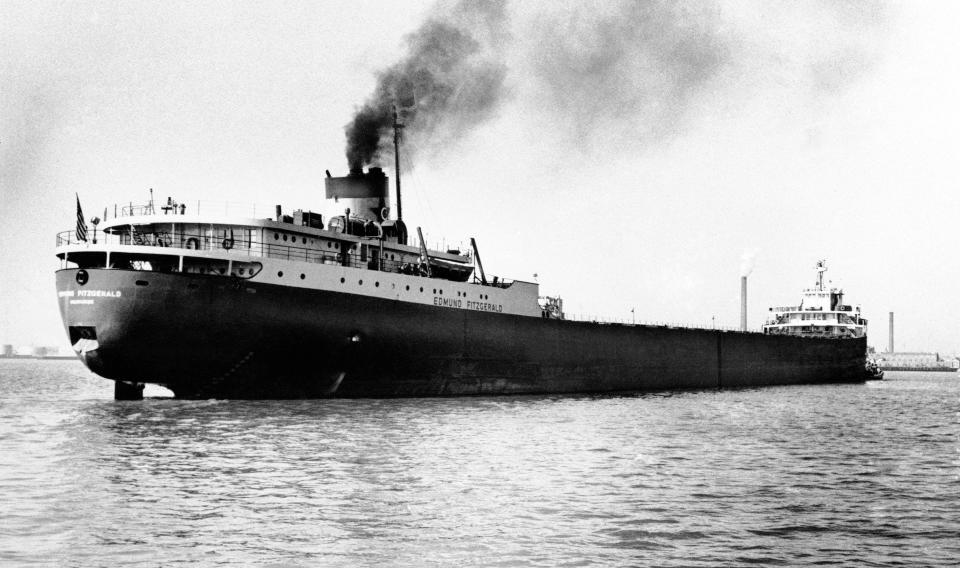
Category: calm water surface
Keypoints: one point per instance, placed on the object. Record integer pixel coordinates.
(853, 474)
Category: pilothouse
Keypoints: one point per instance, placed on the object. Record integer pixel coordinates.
(821, 313)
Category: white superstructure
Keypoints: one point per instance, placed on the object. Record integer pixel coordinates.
(821, 313)
(349, 254)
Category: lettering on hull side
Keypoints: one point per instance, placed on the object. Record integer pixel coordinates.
(470, 305)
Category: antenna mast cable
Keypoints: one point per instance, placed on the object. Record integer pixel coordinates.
(396, 158)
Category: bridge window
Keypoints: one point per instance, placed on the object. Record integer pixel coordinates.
(216, 266)
(152, 262)
(88, 259)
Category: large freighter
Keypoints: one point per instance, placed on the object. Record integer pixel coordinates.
(209, 304)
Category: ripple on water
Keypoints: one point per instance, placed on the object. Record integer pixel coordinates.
(848, 474)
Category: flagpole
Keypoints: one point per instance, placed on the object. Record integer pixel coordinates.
(81, 231)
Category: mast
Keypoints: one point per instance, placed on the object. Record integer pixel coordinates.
(821, 268)
(396, 158)
(425, 255)
(476, 255)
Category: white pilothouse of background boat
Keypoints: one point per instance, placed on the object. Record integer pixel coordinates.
(821, 312)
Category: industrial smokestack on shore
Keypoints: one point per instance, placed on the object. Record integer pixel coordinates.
(890, 343)
(746, 267)
(743, 303)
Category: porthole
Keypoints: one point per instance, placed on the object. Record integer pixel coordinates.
(304, 240)
(329, 244)
(421, 288)
(441, 292)
(336, 245)
(302, 276)
(392, 257)
(376, 284)
(285, 237)
(280, 274)
(276, 236)
(408, 287)
(342, 280)
(434, 290)
(361, 282)
(458, 294)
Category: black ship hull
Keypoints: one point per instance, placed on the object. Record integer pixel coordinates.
(212, 336)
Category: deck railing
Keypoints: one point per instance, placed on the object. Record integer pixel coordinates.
(654, 323)
(238, 242)
(233, 209)
(195, 207)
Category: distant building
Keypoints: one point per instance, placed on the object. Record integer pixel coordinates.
(45, 351)
(8, 350)
(916, 361)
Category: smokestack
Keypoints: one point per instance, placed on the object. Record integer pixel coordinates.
(890, 344)
(743, 303)
(365, 193)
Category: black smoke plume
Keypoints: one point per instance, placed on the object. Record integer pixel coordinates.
(628, 75)
(613, 73)
(451, 78)
(629, 68)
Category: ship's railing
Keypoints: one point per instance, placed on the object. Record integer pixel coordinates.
(240, 242)
(654, 323)
(193, 207)
(235, 209)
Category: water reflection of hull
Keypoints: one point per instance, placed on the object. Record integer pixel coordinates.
(211, 336)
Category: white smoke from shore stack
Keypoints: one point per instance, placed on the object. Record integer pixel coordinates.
(746, 267)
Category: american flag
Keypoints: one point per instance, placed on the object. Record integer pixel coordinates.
(81, 224)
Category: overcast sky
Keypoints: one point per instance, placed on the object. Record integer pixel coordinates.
(630, 160)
